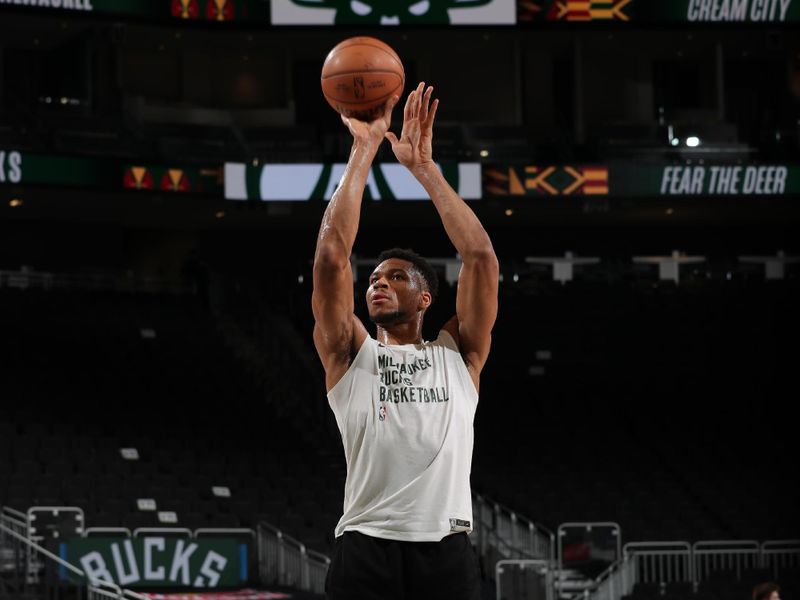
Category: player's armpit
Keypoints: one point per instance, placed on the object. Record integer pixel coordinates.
(337, 352)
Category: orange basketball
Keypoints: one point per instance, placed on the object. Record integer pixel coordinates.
(359, 75)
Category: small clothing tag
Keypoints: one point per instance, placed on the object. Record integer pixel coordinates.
(459, 525)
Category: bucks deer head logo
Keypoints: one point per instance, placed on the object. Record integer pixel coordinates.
(391, 12)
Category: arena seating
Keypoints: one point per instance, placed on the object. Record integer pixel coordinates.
(643, 406)
(608, 421)
(655, 409)
(89, 382)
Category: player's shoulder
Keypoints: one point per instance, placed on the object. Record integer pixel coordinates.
(450, 331)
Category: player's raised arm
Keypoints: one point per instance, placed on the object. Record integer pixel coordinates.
(332, 297)
(476, 299)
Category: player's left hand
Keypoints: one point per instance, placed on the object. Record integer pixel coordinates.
(413, 149)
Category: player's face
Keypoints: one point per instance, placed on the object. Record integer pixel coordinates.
(395, 292)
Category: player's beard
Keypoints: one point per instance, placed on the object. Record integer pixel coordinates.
(388, 318)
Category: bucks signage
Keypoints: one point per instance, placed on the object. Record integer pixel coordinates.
(630, 179)
(728, 180)
(393, 12)
(296, 12)
(16, 167)
(10, 166)
(204, 10)
(660, 11)
(300, 182)
(159, 561)
(431, 12)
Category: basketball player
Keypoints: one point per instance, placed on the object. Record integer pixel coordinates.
(404, 405)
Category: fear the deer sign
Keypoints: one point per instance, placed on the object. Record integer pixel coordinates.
(393, 12)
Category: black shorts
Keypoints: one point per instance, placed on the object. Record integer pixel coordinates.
(369, 568)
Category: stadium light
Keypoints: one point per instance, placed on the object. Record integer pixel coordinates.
(693, 141)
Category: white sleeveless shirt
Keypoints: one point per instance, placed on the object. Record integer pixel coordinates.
(406, 415)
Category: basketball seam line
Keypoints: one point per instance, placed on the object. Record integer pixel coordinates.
(362, 101)
(358, 72)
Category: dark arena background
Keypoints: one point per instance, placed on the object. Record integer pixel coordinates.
(164, 168)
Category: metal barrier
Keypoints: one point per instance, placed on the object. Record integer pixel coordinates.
(107, 531)
(283, 560)
(524, 579)
(96, 590)
(214, 531)
(583, 548)
(14, 557)
(501, 531)
(110, 280)
(295, 566)
(616, 581)
(727, 555)
(656, 562)
(587, 528)
(318, 565)
(164, 531)
(94, 593)
(780, 554)
(35, 513)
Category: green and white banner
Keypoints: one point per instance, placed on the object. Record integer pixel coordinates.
(159, 561)
(370, 13)
(218, 11)
(300, 182)
(644, 181)
(76, 171)
(317, 181)
(386, 12)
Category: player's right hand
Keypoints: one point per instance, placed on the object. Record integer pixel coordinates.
(374, 131)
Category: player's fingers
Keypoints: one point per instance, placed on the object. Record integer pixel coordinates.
(387, 109)
(423, 112)
(391, 137)
(409, 106)
(420, 92)
(432, 114)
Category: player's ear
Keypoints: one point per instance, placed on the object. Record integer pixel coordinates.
(425, 300)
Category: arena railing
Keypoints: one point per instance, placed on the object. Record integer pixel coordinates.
(655, 562)
(725, 555)
(616, 581)
(118, 281)
(283, 560)
(524, 578)
(96, 590)
(680, 562)
(517, 536)
(15, 522)
(15, 519)
(780, 554)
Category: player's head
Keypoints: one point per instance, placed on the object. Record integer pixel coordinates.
(767, 591)
(401, 287)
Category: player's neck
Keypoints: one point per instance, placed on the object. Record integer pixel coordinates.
(399, 334)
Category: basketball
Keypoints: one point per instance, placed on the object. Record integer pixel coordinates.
(359, 75)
